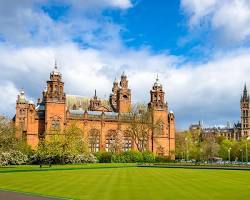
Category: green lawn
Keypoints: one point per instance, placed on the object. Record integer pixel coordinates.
(103, 181)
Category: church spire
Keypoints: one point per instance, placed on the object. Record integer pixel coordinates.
(245, 95)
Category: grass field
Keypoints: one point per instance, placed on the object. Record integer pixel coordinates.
(118, 182)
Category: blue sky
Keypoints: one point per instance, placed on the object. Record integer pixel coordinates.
(200, 49)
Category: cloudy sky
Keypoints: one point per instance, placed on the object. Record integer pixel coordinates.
(199, 48)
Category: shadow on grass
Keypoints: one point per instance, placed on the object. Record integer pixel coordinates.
(195, 167)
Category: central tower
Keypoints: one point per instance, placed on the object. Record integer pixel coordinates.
(120, 99)
(124, 95)
(55, 101)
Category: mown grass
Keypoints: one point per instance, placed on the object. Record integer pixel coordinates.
(120, 182)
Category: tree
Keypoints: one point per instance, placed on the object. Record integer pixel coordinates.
(69, 142)
(142, 126)
(209, 148)
(8, 137)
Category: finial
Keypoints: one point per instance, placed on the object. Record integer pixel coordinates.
(22, 90)
(95, 92)
(123, 74)
(157, 77)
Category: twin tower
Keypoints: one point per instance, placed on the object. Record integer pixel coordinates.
(104, 117)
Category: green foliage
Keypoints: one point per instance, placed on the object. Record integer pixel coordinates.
(190, 146)
(162, 159)
(133, 157)
(148, 157)
(8, 139)
(104, 157)
(62, 159)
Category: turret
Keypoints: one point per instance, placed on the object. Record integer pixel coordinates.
(120, 99)
(95, 103)
(21, 114)
(55, 101)
(124, 96)
(113, 97)
(157, 96)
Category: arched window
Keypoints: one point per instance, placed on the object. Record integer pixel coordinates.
(111, 141)
(127, 142)
(22, 112)
(55, 124)
(94, 140)
(143, 143)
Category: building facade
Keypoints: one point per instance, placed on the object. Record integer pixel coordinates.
(100, 119)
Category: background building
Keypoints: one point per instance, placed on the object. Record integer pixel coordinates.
(235, 132)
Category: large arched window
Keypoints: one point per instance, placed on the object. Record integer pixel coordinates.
(111, 141)
(94, 140)
(127, 141)
(143, 143)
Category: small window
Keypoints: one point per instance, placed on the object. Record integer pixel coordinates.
(55, 124)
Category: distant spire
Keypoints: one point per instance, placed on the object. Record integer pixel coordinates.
(55, 65)
(123, 74)
(245, 95)
(95, 92)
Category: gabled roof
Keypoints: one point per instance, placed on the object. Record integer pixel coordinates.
(82, 103)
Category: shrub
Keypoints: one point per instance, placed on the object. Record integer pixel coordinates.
(39, 158)
(133, 157)
(104, 157)
(148, 157)
(13, 158)
(162, 159)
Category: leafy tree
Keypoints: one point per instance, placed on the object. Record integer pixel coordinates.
(9, 140)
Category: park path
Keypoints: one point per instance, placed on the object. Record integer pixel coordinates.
(8, 195)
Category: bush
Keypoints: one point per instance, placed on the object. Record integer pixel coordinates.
(13, 158)
(104, 157)
(39, 158)
(133, 157)
(148, 157)
(162, 159)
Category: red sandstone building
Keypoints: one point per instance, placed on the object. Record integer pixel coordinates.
(56, 110)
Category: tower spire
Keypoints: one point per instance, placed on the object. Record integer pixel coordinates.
(95, 94)
(55, 65)
(245, 93)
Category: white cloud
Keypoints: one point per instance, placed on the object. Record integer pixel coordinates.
(26, 23)
(229, 18)
(8, 98)
(81, 4)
